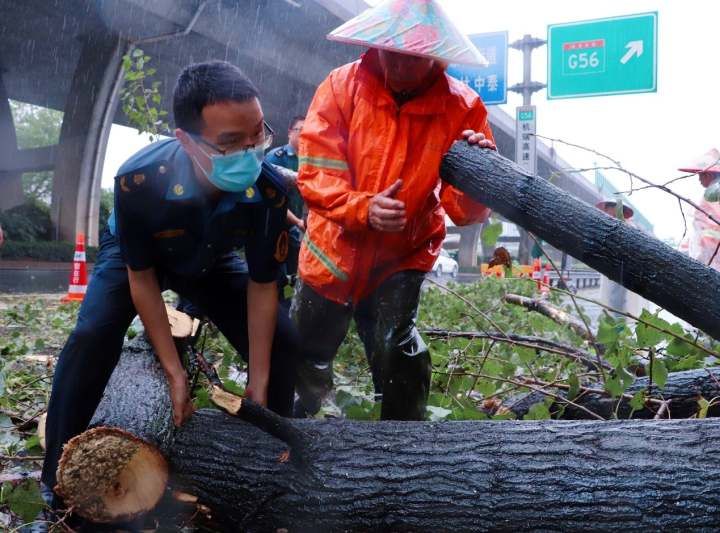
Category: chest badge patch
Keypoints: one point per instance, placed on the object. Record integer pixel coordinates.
(178, 189)
(281, 247)
(249, 193)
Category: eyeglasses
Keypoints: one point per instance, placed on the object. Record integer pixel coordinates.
(268, 135)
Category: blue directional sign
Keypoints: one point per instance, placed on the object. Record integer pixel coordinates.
(489, 82)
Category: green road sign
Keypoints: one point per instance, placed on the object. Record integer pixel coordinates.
(600, 57)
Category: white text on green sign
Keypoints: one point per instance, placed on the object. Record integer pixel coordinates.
(603, 57)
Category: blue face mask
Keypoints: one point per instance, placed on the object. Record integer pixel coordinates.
(235, 172)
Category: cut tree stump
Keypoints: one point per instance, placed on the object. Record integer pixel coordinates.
(682, 390)
(399, 476)
(627, 255)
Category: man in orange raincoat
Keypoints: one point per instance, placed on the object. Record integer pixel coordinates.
(370, 154)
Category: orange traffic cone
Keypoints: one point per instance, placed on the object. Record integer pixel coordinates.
(78, 278)
(536, 274)
(545, 288)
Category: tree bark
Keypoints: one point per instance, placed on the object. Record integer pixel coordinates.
(625, 254)
(682, 390)
(422, 476)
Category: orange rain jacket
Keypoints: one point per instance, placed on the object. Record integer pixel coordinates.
(355, 143)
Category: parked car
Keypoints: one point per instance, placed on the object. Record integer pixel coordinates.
(445, 265)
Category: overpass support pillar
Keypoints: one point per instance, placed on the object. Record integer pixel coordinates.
(11, 192)
(88, 113)
(467, 254)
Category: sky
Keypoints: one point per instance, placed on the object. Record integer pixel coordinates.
(651, 134)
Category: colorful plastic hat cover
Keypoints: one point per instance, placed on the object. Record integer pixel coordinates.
(415, 27)
(708, 162)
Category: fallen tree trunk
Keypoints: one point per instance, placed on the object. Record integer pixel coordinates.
(406, 476)
(625, 254)
(682, 391)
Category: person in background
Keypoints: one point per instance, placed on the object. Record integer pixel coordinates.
(370, 154)
(703, 239)
(286, 156)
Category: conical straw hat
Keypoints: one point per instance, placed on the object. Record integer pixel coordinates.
(708, 162)
(415, 27)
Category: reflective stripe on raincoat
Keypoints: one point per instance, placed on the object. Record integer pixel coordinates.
(355, 143)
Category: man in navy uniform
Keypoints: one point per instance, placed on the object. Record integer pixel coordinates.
(286, 156)
(182, 206)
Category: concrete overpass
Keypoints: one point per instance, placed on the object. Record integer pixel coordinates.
(66, 55)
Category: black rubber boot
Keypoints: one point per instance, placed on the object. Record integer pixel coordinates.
(400, 359)
(321, 326)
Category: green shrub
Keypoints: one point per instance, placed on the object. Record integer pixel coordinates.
(43, 251)
(27, 222)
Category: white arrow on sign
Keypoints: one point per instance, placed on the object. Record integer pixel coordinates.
(635, 48)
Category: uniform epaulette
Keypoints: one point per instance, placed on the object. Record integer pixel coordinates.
(142, 177)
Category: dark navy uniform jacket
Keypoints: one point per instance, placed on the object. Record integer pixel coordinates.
(285, 156)
(164, 218)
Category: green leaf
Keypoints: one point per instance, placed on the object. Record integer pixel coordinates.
(574, 389)
(439, 400)
(345, 399)
(609, 330)
(32, 442)
(486, 387)
(491, 233)
(688, 362)
(659, 373)
(467, 413)
(362, 411)
(638, 401)
(648, 336)
(614, 386)
(233, 387)
(626, 378)
(25, 500)
(137, 52)
(503, 416)
(202, 399)
(39, 344)
(492, 368)
(435, 413)
(526, 355)
(539, 411)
